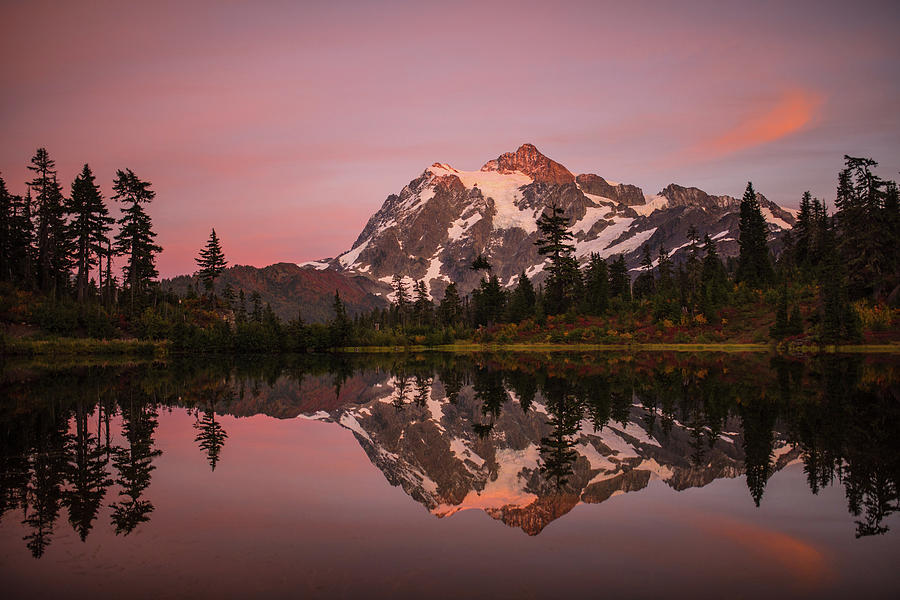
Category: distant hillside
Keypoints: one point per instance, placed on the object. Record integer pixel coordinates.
(290, 288)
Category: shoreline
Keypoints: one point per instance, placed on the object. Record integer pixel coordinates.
(160, 349)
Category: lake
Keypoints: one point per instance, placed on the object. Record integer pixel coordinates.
(452, 476)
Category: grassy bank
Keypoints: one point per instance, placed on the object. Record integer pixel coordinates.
(636, 347)
(83, 347)
(160, 349)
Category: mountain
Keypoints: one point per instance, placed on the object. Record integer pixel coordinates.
(289, 288)
(440, 221)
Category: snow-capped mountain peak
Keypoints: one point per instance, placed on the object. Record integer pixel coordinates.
(443, 219)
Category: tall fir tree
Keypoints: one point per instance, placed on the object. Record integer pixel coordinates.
(619, 280)
(53, 242)
(596, 283)
(554, 242)
(89, 227)
(521, 301)
(135, 239)
(212, 263)
(340, 329)
(754, 265)
(861, 228)
(645, 283)
(450, 309)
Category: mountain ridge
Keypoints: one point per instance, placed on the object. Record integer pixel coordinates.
(436, 225)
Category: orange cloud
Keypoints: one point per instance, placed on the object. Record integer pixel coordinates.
(792, 112)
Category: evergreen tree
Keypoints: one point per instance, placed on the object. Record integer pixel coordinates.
(7, 232)
(780, 329)
(481, 263)
(754, 265)
(401, 298)
(89, 226)
(645, 284)
(596, 286)
(803, 229)
(135, 238)
(714, 279)
(450, 309)
(340, 329)
(53, 243)
(423, 308)
(256, 301)
(693, 269)
(241, 316)
(521, 302)
(665, 283)
(489, 302)
(861, 227)
(619, 280)
(211, 262)
(564, 277)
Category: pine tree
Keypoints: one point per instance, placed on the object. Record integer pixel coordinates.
(450, 309)
(341, 328)
(619, 280)
(693, 268)
(714, 279)
(645, 284)
(665, 283)
(136, 235)
(89, 226)
(401, 298)
(422, 307)
(564, 277)
(257, 313)
(597, 286)
(780, 329)
(802, 231)
(53, 244)
(754, 264)
(211, 262)
(241, 316)
(7, 232)
(489, 302)
(860, 227)
(521, 302)
(481, 263)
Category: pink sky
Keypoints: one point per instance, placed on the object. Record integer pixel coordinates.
(285, 126)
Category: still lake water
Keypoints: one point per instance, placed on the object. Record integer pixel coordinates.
(452, 476)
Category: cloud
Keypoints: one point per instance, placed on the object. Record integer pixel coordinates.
(792, 112)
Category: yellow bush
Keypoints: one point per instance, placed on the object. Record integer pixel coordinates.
(874, 317)
(699, 319)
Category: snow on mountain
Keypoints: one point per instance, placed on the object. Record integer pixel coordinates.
(443, 219)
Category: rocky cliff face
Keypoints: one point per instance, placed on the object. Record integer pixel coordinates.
(439, 222)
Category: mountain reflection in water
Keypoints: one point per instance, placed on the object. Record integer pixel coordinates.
(523, 438)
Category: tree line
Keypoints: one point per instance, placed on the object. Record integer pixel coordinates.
(52, 243)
